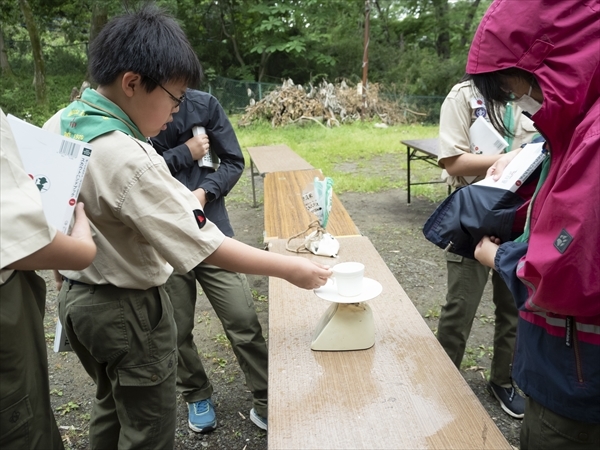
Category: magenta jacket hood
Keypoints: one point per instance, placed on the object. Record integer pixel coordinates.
(558, 41)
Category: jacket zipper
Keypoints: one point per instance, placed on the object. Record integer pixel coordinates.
(572, 331)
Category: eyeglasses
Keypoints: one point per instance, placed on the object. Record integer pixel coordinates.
(178, 101)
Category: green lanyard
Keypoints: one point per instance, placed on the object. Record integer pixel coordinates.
(509, 124)
(545, 169)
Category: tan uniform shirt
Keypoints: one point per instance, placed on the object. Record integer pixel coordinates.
(141, 217)
(23, 226)
(459, 110)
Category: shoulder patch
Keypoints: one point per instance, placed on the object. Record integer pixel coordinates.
(562, 241)
(200, 217)
(476, 103)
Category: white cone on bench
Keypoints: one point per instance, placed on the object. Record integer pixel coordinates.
(345, 327)
(348, 323)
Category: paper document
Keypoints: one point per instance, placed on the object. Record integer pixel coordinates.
(485, 139)
(519, 169)
(56, 164)
(210, 159)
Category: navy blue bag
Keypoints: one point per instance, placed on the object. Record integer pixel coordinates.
(470, 213)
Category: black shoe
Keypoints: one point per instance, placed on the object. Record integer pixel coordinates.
(510, 400)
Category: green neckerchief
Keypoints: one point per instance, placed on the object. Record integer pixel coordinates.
(509, 124)
(93, 115)
(545, 169)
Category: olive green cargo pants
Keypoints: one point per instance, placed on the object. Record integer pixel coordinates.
(230, 296)
(466, 281)
(543, 429)
(126, 341)
(26, 419)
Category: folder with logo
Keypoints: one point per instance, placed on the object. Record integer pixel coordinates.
(57, 165)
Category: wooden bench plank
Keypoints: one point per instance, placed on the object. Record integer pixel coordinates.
(404, 392)
(285, 214)
(421, 150)
(273, 158)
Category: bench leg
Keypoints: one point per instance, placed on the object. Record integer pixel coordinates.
(408, 174)
(252, 174)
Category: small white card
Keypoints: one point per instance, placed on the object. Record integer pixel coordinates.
(211, 159)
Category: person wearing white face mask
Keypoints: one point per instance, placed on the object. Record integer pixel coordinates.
(466, 277)
(546, 54)
(528, 103)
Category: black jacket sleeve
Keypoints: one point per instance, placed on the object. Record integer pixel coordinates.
(202, 109)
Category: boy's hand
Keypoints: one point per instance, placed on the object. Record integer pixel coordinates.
(198, 146)
(81, 229)
(496, 169)
(308, 275)
(485, 252)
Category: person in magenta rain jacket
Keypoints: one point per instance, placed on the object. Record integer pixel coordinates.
(545, 55)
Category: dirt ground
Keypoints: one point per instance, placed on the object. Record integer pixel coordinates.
(394, 228)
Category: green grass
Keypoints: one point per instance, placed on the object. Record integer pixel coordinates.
(349, 153)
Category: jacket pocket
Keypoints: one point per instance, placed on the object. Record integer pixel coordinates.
(14, 423)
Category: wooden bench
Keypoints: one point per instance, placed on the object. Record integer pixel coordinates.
(273, 158)
(421, 150)
(284, 210)
(404, 392)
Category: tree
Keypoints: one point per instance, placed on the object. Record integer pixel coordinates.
(39, 78)
(4, 64)
(443, 38)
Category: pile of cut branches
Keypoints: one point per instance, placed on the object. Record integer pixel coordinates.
(327, 104)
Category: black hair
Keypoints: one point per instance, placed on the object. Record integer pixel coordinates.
(148, 42)
(493, 88)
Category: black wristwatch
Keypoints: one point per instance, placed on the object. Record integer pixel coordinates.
(208, 195)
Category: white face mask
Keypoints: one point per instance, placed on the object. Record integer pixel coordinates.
(526, 103)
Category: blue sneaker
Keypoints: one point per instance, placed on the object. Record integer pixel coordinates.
(201, 416)
(259, 421)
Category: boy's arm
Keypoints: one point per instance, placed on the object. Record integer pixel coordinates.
(469, 164)
(74, 252)
(236, 256)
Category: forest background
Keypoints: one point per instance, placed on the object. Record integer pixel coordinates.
(416, 48)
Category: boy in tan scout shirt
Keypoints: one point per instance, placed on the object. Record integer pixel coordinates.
(29, 243)
(466, 277)
(117, 316)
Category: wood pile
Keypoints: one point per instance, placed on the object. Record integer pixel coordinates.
(327, 104)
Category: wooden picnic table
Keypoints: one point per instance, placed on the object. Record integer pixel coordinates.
(421, 150)
(404, 392)
(273, 158)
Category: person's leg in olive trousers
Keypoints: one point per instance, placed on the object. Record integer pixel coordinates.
(126, 341)
(26, 419)
(543, 429)
(230, 296)
(466, 280)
